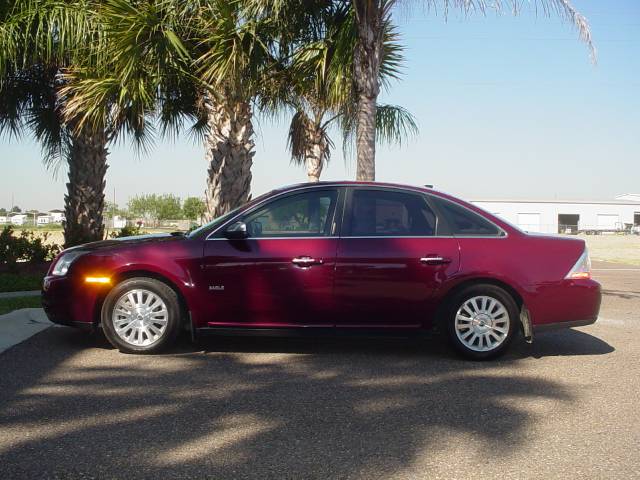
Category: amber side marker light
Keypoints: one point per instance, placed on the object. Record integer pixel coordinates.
(102, 280)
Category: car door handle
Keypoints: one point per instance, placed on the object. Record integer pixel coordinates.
(306, 261)
(435, 260)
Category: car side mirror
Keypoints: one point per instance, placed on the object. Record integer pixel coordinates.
(236, 231)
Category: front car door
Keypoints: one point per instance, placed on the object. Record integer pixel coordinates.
(392, 256)
(282, 274)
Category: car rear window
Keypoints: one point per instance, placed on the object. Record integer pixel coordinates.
(463, 221)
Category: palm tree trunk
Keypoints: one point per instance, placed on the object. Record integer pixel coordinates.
(367, 59)
(314, 157)
(366, 138)
(84, 201)
(229, 153)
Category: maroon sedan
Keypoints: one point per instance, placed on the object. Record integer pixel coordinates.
(330, 258)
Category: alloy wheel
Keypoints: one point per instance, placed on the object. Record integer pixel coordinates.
(140, 317)
(482, 323)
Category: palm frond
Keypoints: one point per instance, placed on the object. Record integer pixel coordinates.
(562, 8)
(395, 124)
(297, 138)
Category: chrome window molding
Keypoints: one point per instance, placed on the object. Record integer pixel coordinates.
(428, 236)
(280, 238)
(379, 237)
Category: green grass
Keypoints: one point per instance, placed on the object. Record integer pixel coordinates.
(13, 282)
(10, 304)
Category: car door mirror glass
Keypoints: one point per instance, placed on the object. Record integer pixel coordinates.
(236, 231)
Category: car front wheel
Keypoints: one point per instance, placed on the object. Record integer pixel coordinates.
(482, 321)
(141, 315)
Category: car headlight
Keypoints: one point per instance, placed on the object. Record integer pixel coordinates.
(64, 262)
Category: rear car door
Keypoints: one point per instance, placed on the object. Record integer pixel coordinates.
(390, 259)
(282, 274)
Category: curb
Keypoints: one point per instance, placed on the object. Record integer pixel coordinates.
(28, 293)
(19, 325)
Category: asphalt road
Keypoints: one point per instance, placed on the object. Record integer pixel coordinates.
(565, 407)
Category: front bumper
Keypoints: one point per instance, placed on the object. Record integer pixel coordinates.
(68, 301)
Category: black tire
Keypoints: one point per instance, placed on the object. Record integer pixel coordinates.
(173, 320)
(481, 290)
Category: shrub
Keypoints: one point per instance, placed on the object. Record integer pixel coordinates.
(28, 247)
(127, 231)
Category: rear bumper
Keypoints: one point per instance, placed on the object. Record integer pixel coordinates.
(568, 303)
(555, 326)
(67, 302)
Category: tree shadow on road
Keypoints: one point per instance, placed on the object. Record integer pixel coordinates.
(254, 408)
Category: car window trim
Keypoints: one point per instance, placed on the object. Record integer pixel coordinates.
(344, 189)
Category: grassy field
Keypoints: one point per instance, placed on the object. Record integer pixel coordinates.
(10, 304)
(614, 248)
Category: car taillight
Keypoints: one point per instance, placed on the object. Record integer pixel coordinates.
(582, 268)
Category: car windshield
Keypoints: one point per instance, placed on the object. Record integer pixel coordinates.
(216, 222)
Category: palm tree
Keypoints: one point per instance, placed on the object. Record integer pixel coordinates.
(39, 39)
(321, 86)
(176, 62)
(372, 16)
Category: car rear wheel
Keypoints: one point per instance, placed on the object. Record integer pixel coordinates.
(481, 321)
(141, 315)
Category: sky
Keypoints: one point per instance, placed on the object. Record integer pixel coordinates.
(507, 107)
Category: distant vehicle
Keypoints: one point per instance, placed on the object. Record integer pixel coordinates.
(603, 230)
(330, 258)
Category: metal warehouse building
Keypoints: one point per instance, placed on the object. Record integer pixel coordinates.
(554, 216)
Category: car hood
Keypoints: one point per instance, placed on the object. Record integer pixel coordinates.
(129, 241)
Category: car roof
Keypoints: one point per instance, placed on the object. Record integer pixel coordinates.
(352, 183)
(422, 189)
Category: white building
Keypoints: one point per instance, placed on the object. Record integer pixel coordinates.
(555, 216)
(57, 216)
(3, 219)
(43, 219)
(119, 222)
(17, 218)
(629, 197)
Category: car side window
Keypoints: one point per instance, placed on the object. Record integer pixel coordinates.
(379, 213)
(307, 214)
(465, 222)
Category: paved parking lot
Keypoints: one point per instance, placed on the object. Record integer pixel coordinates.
(566, 407)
